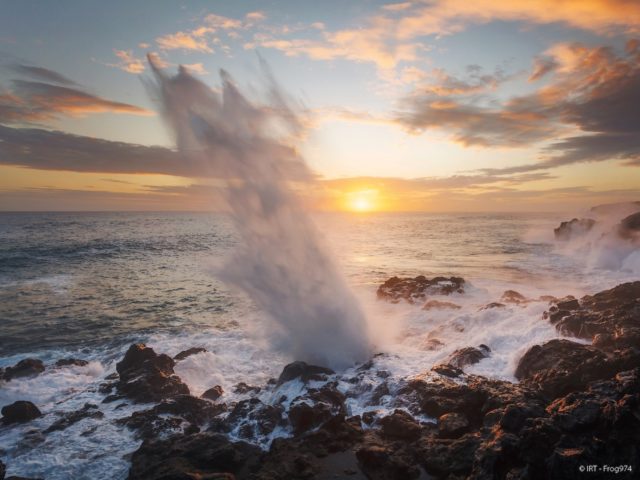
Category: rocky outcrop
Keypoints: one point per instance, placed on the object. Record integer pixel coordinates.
(69, 418)
(213, 394)
(630, 226)
(573, 228)
(187, 353)
(148, 377)
(29, 367)
(438, 305)
(413, 290)
(19, 412)
(71, 362)
(304, 372)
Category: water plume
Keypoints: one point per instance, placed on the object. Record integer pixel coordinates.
(280, 261)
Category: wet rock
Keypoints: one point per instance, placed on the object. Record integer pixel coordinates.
(400, 425)
(187, 353)
(243, 388)
(433, 344)
(447, 370)
(202, 455)
(629, 227)
(452, 425)
(444, 458)
(573, 228)
(511, 296)
(71, 362)
(29, 367)
(417, 289)
(468, 356)
(381, 462)
(172, 415)
(69, 418)
(491, 305)
(148, 377)
(213, 394)
(304, 372)
(316, 407)
(438, 305)
(3, 470)
(561, 366)
(19, 412)
(251, 417)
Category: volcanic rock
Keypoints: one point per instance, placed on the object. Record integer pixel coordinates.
(468, 356)
(29, 367)
(511, 296)
(187, 353)
(213, 394)
(19, 412)
(148, 377)
(573, 228)
(400, 425)
(561, 366)
(71, 362)
(436, 304)
(304, 372)
(69, 418)
(452, 425)
(630, 226)
(417, 289)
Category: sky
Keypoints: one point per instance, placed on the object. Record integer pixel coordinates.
(431, 105)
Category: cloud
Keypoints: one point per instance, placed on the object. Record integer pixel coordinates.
(197, 68)
(128, 62)
(589, 105)
(32, 102)
(194, 40)
(42, 74)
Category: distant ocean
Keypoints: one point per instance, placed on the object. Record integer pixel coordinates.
(87, 285)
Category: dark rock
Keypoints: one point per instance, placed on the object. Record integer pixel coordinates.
(304, 372)
(171, 415)
(433, 344)
(561, 366)
(29, 367)
(382, 462)
(629, 227)
(19, 412)
(213, 394)
(448, 458)
(71, 362)
(88, 411)
(452, 425)
(400, 425)
(491, 305)
(187, 353)
(417, 289)
(573, 228)
(251, 417)
(447, 370)
(468, 356)
(243, 388)
(511, 296)
(437, 304)
(316, 407)
(199, 456)
(148, 377)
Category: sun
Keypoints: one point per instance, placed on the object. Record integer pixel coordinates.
(361, 201)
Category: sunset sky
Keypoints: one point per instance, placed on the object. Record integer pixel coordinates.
(434, 105)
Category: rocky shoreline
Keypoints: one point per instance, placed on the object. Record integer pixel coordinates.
(577, 403)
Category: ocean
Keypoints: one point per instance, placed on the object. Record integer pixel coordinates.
(87, 285)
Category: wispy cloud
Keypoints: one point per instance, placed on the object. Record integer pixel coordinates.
(128, 62)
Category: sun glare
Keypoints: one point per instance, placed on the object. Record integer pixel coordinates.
(363, 201)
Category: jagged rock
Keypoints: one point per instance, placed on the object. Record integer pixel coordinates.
(243, 388)
(491, 305)
(19, 412)
(452, 425)
(447, 370)
(573, 228)
(251, 417)
(417, 289)
(69, 418)
(304, 372)
(629, 227)
(382, 462)
(400, 425)
(187, 353)
(445, 457)
(467, 356)
(316, 407)
(433, 344)
(511, 296)
(148, 377)
(194, 456)
(437, 304)
(29, 367)
(561, 366)
(71, 362)
(213, 394)
(171, 415)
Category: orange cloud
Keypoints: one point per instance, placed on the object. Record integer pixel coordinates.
(193, 40)
(128, 62)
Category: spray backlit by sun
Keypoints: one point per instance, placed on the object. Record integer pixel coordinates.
(363, 201)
